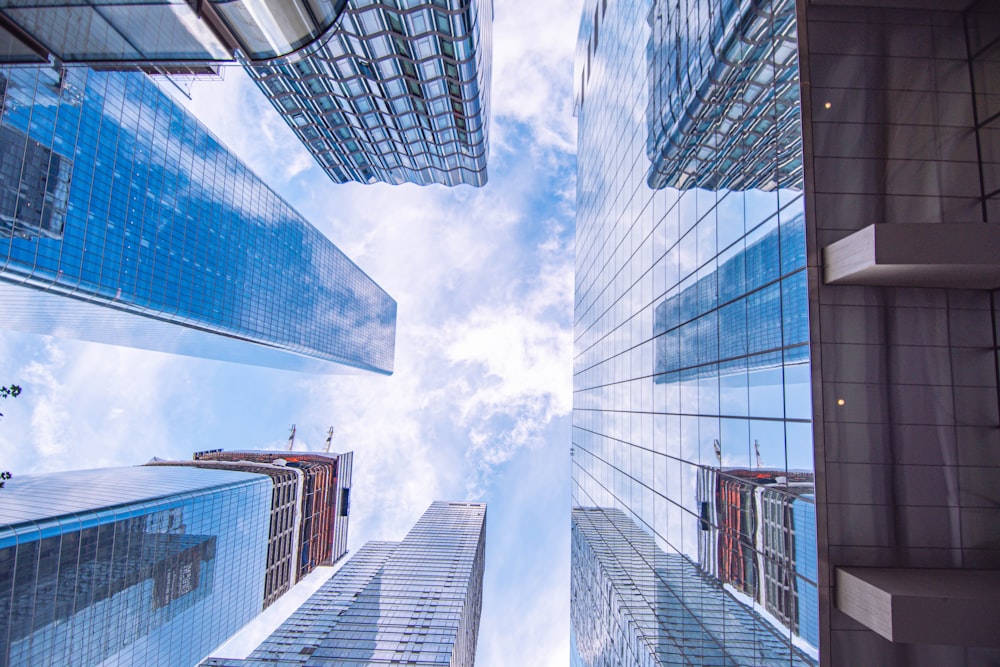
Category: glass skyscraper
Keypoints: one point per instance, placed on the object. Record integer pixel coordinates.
(129, 223)
(398, 92)
(395, 91)
(161, 35)
(142, 565)
(415, 602)
(785, 390)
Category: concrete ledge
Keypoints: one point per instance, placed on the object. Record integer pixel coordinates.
(916, 255)
(917, 606)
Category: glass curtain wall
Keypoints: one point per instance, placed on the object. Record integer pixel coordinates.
(145, 214)
(129, 565)
(694, 516)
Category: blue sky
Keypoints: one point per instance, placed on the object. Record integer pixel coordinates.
(479, 405)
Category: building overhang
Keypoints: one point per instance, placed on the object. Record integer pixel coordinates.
(963, 256)
(923, 606)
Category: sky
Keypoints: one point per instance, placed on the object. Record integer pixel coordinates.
(479, 404)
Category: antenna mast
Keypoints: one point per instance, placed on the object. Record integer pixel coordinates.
(329, 439)
(291, 439)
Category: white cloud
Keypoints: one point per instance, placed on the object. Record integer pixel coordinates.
(85, 405)
(533, 46)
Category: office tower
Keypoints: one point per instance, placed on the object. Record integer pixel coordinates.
(395, 91)
(414, 602)
(786, 350)
(324, 500)
(127, 222)
(310, 504)
(137, 565)
(178, 37)
(398, 92)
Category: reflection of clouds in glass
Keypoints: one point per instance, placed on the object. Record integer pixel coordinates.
(165, 222)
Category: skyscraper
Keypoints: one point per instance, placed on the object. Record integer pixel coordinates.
(398, 92)
(310, 504)
(785, 389)
(626, 585)
(137, 565)
(161, 36)
(325, 500)
(131, 224)
(414, 602)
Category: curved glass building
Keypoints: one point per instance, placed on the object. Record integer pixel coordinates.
(399, 92)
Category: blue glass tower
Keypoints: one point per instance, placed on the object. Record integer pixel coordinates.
(143, 565)
(126, 218)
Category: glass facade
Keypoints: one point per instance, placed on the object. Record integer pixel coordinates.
(144, 565)
(415, 602)
(693, 476)
(398, 93)
(161, 32)
(141, 220)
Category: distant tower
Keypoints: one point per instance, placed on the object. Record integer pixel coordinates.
(429, 585)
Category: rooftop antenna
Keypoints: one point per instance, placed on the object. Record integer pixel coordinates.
(756, 448)
(329, 439)
(291, 439)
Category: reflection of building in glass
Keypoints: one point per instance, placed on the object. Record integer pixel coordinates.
(784, 211)
(399, 92)
(759, 528)
(324, 501)
(163, 226)
(635, 604)
(414, 602)
(752, 304)
(34, 187)
(129, 565)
